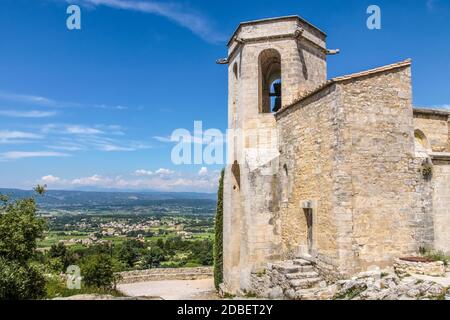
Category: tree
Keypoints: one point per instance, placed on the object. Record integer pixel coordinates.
(129, 252)
(20, 281)
(59, 252)
(19, 230)
(218, 239)
(97, 271)
(153, 258)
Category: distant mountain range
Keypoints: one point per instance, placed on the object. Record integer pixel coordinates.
(57, 198)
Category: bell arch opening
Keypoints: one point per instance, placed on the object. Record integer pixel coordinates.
(270, 77)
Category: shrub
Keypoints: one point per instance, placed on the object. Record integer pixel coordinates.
(129, 252)
(153, 258)
(19, 230)
(97, 271)
(20, 281)
(218, 241)
(437, 256)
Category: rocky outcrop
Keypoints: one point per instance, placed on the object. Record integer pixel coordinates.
(389, 286)
(429, 268)
(300, 280)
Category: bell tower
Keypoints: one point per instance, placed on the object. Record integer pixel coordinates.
(271, 63)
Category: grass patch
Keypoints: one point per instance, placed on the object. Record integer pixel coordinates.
(435, 255)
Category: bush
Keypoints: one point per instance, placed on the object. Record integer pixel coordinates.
(19, 230)
(20, 281)
(97, 271)
(129, 252)
(153, 258)
(59, 258)
(436, 256)
(218, 241)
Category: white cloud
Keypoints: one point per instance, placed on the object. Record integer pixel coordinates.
(95, 180)
(27, 114)
(36, 100)
(203, 171)
(164, 171)
(162, 139)
(82, 130)
(8, 137)
(12, 155)
(139, 180)
(50, 179)
(181, 15)
(143, 172)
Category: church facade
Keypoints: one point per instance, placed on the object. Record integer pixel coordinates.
(342, 172)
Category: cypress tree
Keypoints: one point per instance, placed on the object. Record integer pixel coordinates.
(218, 243)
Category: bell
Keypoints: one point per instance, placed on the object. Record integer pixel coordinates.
(277, 95)
(277, 104)
(277, 89)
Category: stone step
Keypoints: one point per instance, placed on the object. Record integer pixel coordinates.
(302, 262)
(286, 268)
(306, 294)
(302, 275)
(304, 283)
(306, 268)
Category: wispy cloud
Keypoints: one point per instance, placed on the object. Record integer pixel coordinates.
(182, 15)
(36, 100)
(27, 114)
(161, 179)
(13, 155)
(76, 137)
(11, 137)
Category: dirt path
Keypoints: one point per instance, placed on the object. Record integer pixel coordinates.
(172, 289)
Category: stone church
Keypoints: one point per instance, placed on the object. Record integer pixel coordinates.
(344, 172)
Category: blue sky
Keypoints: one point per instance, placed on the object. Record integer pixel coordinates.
(93, 108)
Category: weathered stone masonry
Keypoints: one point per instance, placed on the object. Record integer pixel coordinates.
(337, 175)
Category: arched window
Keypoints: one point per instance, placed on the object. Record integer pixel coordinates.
(421, 141)
(270, 93)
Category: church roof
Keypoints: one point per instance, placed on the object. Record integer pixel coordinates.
(352, 76)
(293, 17)
(435, 111)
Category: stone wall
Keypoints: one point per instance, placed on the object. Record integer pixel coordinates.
(162, 274)
(441, 205)
(353, 156)
(379, 128)
(308, 143)
(436, 128)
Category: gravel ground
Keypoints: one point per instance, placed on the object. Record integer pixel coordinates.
(172, 289)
